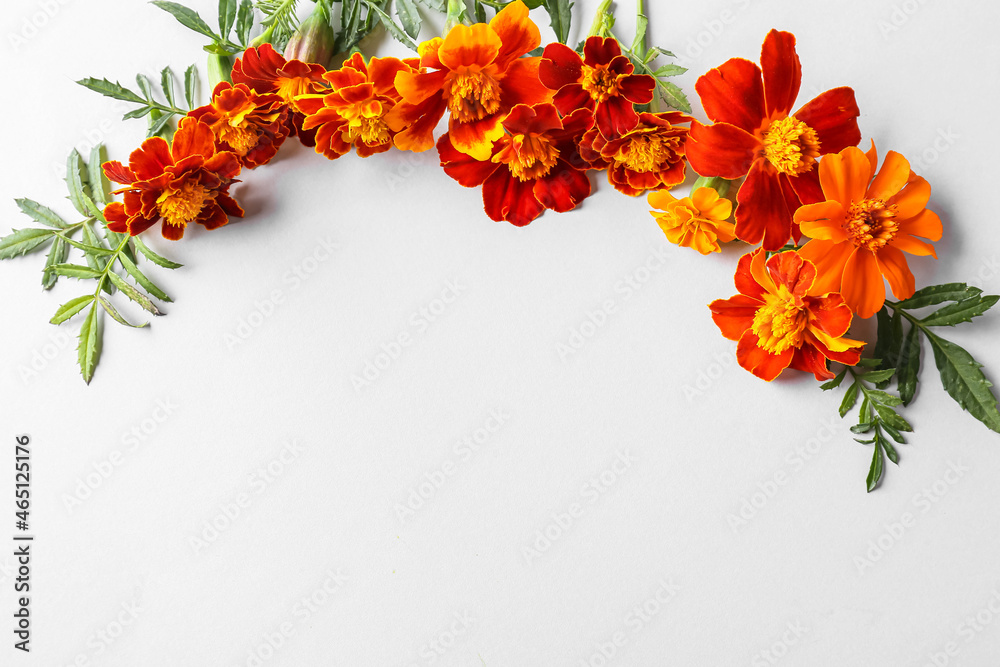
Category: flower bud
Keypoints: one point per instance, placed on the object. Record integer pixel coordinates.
(314, 41)
(220, 68)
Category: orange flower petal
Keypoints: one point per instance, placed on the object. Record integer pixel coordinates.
(892, 264)
(891, 178)
(927, 224)
(416, 87)
(758, 269)
(517, 32)
(830, 258)
(913, 245)
(790, 270)
(863, 286)
(521, 84)
(193, 137)
(466, 45)
(759, 361)
(824, 220)
(844, 176)
(476, 138)
(912, 199)
(734, 316)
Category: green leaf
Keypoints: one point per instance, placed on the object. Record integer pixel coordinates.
(669, 70)
(144, 86)
(90, 239)
(835, 382)
(153, 257)
(76, 271)
(674, 96)
(437, 5)
(158, 125)
(244, 22)
(963, 311)
(909, 365)
(561, 15)
(74, 179)
(880, 376)
(109, 89)
(191, 86)
(22, 241)
(869, 362)
(890, 418)
(398, 34)
(965, 382)
(895, 435)
(117, 316)
(850, 398)
(227, 16)
(866, 411)
(875, 472)
(40, 213)
(187, 17)
(890, 340)
(862, 428)
(141, 279)
(167, 84)
(100, 187)
(133, 294)
(890, 451)
(931, 296)
(71, 308)
(882, 398)
(409, 17)
(641, 25)
(57, 255)
(89, 347)
(138, 113)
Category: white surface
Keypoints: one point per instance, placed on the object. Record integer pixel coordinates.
(403, 231)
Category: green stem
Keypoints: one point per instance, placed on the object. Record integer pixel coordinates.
(597, 27)
(720, 185)
(264, 37)
(456, 10)
(111, 262)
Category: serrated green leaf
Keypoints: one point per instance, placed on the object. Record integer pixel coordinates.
(116, 316)
(167, 84)
(964, 381)
(674, 96)
(191, 86)
(75, 169)
(227, 16)
(398, 33)
(100, 187)
(437, 5)
(57, 255)
(157, 126)
(76, 271)
(963, 311)
(560, 16)
(850, 398)
(40, 213)
(89, 347)
(133, 294)
(669, 70)
(909, 365)
(935, 294)
(142, 280)
(891, 418)
(23, 241)
(71, 308)
(138, 113)
(144, 86)
(153, 257)
(875, 471)
(409, 17)
(109, 89)
(244, 22)
(835, 382)
(187, 17)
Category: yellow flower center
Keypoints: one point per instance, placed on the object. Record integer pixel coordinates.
(871, 224)
(529, 157)
(599, 83)
(179, 207)
(372, 131)
(791, 146)
(238, 133)
(780, 323)
(472, 95)
(291, 87)
(648, 152)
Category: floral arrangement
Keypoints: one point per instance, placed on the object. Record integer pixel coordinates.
(825, 222)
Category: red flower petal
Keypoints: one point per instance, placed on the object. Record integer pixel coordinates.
(560, 66)
(734, 316)
(759, 361)
(721, 150)
(834, 116)
(745, 282)
(790, 270)
(563, 188)
(521, 84)
(734, 93)
(811, 360)
(782, 72)
(762, 214)
(464, 169)
(637, 88)
(573, 97)
(509, 199)
(615, 116)
(600, 50)
(151, 159)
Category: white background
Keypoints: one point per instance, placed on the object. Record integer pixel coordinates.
(656, 383)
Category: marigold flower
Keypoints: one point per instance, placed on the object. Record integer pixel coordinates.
(180, 183)
(266, 71)
(650, 156)
(782, 320)
(533, 167)
(354, 112)
(699, 221)
(755, 135)
(603, 81)
(476, 73)
(252, 126)
(866, 224)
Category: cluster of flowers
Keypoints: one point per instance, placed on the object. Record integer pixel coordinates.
(527, 129)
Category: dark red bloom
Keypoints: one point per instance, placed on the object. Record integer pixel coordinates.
(603, 81)
(534, 166)
(251, 125)
(756, 135)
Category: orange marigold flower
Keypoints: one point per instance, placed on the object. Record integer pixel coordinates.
(476, 73)
(603, 81)
(354, 112)
(866, 224)
(251, 125)
(756, 135)
(533, 167)
(650, 156)
(266, 71)
(782, 320)
(180, 183)
(698, 221)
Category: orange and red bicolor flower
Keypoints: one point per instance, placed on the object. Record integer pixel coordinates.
(266, 71)
(650, 156)
(534, 165)
(354, 112)
(244, 122)
(477, 73)
(756, 135)
(182, 182)
(781, 320)
(864, 226)
(603, 81)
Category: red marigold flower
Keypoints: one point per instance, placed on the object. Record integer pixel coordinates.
(650, 156)
(603, 81)
(355, 111)
(780, 321)
(266, 71)
(251, 125)
(477, 73)
(756, 135)
(534, 166)
(183, 182)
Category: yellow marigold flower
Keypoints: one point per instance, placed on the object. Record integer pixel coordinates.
(698, 221)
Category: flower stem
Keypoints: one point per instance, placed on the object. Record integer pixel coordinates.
(720, 185)
(456, 10)
(598, 26)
